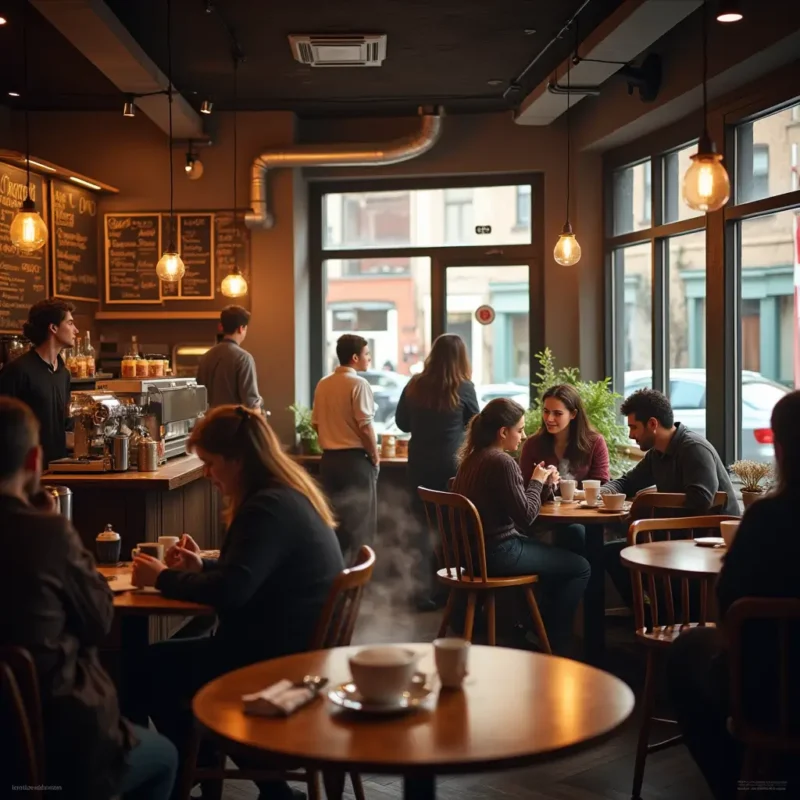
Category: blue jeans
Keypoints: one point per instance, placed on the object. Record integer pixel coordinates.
(151, 767)
(562, 575)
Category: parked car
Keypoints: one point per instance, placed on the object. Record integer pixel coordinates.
(514, 391)
(687, 392)
(387, 386)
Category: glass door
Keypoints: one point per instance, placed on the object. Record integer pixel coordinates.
(489, 306)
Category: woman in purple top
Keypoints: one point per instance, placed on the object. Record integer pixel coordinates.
(567, 441)
(492, 480)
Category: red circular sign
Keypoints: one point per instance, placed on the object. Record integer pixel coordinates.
(485, 315)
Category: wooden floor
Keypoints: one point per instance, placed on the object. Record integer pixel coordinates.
(603, 772)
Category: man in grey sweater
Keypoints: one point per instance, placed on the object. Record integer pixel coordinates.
(227, 370)
(676, 460)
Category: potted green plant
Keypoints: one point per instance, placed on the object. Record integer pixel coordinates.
(755, 479)
(598, 399)
(309, 442)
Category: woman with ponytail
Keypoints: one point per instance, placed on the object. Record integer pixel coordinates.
(493, 481)
(278, 561)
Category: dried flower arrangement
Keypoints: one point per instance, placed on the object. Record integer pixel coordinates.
(754, 475)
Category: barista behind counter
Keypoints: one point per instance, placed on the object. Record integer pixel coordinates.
(39, 378)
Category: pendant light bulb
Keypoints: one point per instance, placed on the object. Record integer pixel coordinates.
(567, 251)
(234, 284)
(170, 267)
(706, 185)
(28, 231)
(729, 11)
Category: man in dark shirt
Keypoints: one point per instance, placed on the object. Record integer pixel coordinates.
(39, 377)
(676, 460)
(227, 370)
(59, 608)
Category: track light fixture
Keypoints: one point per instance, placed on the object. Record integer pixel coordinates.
(129, 108)
(206, 106)
(193, 166)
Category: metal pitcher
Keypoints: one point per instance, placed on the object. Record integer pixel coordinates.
(63, 498)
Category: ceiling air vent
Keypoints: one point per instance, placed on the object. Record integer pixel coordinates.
(347, 50)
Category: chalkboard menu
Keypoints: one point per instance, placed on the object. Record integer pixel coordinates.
(74, 236)
(231, 246)
(23, 276)
(195, 234)
(133, 248)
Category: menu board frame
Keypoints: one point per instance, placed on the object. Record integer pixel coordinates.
(211, 254)
(44, 210)
(107, 265)
(53, 243)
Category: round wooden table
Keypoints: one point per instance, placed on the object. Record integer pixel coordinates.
(516, 708)
(678, 559)
(594, 598)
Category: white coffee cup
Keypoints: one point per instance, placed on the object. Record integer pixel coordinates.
(451, 661)
(168, 541)
(567, 488)
(154, 549)
(728, 530)
(613, 502)
(383, 674)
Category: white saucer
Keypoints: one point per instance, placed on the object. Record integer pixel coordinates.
(710, 541)
(584, 504)
(347, 696)
(146, 590)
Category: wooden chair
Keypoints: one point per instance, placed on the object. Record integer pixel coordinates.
(19, 697)
(767, 735)
(646, 504)
(461, 533)
(334, 629)
(664, 628)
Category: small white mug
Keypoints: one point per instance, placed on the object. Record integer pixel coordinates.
(727, 529)
(382, 674)
(451, 656)
(567, 488)
(613, 501)
(168, 542)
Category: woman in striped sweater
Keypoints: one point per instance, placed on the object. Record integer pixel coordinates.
(493, 481)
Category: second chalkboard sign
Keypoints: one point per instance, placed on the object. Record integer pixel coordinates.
(133, 247)
(195, 234)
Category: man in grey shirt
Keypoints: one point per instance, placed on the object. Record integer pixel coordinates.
(676, 460)
(227, 371)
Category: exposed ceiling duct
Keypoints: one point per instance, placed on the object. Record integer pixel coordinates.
(335, 155)
(95, 31)
(626, 33)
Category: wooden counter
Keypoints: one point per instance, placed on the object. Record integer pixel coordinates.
(175, 473)
(313, 461)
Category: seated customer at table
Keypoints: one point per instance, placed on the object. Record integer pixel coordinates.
(59, 608)
(676, 460)
(761, 562)
(492, 480)
(278, 561)
(566, 440)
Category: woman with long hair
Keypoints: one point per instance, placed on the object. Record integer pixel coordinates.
(435, 407)
(761, 562)
(567, 441)
(278, 561)
(493, 481)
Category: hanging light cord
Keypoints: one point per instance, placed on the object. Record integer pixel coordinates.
(705, 68)
(569, 138)
(172, 247)
(25, 16)
(235, 160)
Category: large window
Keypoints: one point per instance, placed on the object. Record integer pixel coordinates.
(632, 202)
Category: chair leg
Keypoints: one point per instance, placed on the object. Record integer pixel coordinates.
(334, 784)
(490, 619)
(190, 764)
(648, 701)
(469, 619)
(448, 610)
(358, 787)
(313, 785)
(538, 623)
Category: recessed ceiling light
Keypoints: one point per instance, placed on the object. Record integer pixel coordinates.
(529, 31)
(13, 94)
(3, 20)
(495, 82)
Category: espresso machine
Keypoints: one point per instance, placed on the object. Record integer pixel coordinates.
(167, 407)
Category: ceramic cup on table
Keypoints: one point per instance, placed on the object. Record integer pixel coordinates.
(613, 502)
(567, 488)
(451, 656)
(591, 490)
(168, 542)
(153, 549)
(383, 674)
(727, 529)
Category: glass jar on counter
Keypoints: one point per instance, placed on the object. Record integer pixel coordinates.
(156, 366)
(128, 367)
(142, 367)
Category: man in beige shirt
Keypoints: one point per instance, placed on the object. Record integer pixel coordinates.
(344, 408)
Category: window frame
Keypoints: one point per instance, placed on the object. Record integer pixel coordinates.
(440, 257)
